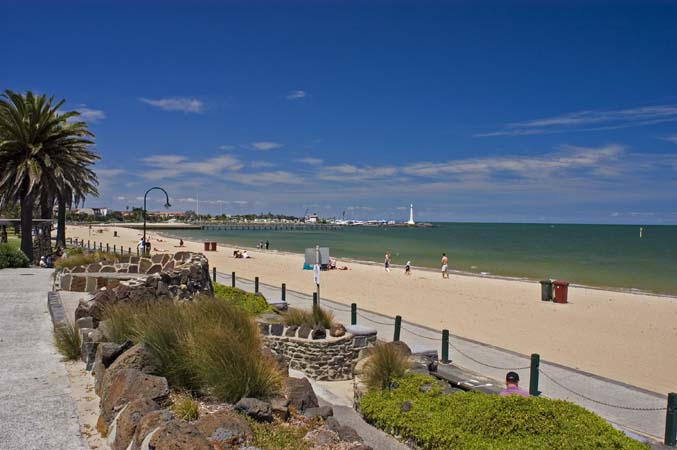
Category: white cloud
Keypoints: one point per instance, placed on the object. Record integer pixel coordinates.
(189, 105)
(590, 120)
(266, 145)
(672, 139)
(296, 95)
(121, 198)
(261, 164)
(226, 147)
(172, 166)
(349, 172)
(241, 202)
(266, 178)
(310, 161)
(90, 115)
(108, 173)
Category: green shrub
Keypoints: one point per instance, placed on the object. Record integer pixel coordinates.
(479, 421)
(253, 303)
(120, 322)
(12, 257)
(67, 340)
(81, 259)
(186, 408)
(386, 364)
(208, 345)
(318, 315)
(279, 436)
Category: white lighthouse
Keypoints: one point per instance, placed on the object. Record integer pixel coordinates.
(411, 215)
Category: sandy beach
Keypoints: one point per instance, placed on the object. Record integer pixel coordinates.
(623, 336)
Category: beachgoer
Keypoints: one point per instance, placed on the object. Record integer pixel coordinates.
(267, 244)
(512, 380)
(43, 262)
(387, 261)
(407, 268)
(90, 230)
(4, 237)
(142, 245)
(245, 255)
(148, 247)
(180, 242)
(445, 266)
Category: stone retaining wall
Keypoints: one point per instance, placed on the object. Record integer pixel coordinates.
(331, 358)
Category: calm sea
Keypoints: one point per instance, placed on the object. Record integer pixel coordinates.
(596, 255)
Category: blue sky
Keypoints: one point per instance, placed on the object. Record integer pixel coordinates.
(494, 111)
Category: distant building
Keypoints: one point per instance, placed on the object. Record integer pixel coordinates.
(98, 212)
(313, 218)
(411, 215)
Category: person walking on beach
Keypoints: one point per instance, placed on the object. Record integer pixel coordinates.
(407, 268)
(445, 266)
(387, 261)
(267, 244)
(512, 380)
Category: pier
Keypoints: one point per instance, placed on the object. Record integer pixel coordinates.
(272, 227)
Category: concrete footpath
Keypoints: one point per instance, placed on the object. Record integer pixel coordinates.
(634, 409)
(37, 411)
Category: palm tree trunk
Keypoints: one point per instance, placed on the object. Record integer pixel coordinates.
(46, 205)
(27, 225)
(61, 222)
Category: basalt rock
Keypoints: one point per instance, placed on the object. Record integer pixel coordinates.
(224, 429)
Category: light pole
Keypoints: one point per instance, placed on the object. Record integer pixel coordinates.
(167, 205)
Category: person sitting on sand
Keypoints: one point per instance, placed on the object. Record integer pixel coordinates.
(512, 380)
(245, 255)
(180, 242)
(407, 268)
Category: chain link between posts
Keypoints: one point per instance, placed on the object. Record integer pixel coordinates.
(485, 364)
(610, 405)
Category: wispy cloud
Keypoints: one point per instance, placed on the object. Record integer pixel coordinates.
(171, 166)
(310, 161)
(265, 145)
(672, 139)
(108, 173)
(590, 120)
(226, 147)
(266, 178)
(297, 95)
(349, 172)
(90, 115)
(188, 105)
(261, 164)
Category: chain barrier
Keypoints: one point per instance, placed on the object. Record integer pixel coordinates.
(420, 335)
(335, 308)
(610, 405)
(374, 321)
(485, 364)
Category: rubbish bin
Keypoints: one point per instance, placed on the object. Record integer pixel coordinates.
(206, 246)
(546, 290)
(561, 291)
(213, 246)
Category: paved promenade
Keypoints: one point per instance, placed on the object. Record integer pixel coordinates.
(37, 410)
(641, 411)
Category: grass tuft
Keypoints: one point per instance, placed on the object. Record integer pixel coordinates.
(120, 322)
(386, 364)
(252, 303)
(67, 340)
(186, 408)
(79, 258)
(318, 315)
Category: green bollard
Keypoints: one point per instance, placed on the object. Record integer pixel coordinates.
(130, 251)
(107, 248)
(445, 346)
(398, 325)
(314, 299)
(256, 285)
(214, 274)
(115, 248)
(88, 245)
(232, 279)
(100, 246)
(671, 421)
(533, 375)
(284, 292)
(353, 313)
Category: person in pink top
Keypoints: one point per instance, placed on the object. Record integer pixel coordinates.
(512, 380)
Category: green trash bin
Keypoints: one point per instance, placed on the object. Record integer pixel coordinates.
(546, 290)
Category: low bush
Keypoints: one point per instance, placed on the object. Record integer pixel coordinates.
(209, 345)
(279, 436)
(479, 421)
(252, 303)
(386, 364)
(185, 407)
(12, 257)
(318, 315)
(67, 340)
(81, 259)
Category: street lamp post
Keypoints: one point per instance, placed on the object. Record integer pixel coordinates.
(167, 205)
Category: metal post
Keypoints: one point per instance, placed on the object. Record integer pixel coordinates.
(314, 299)
(115, 248)
(130, 251)
(232, 279)
(533, 375)
(107, 248)
(398, 325)
(353, 313)
(284, 292)
(214, 274)
(671, 421)
(88, 246)
(256, 285)
(100, 246)
(445, 346)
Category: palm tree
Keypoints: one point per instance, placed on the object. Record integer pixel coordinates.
(41, 153)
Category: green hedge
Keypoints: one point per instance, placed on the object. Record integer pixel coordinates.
(479, 421)
(11, 257)
(253, 303)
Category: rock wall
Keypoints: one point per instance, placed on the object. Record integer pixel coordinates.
(181, 268)
(331, 358)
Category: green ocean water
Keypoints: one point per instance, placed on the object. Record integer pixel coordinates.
(595, 255)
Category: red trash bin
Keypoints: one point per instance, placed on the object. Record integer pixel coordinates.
(206, 246)
(561, 291)
(213, 246)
